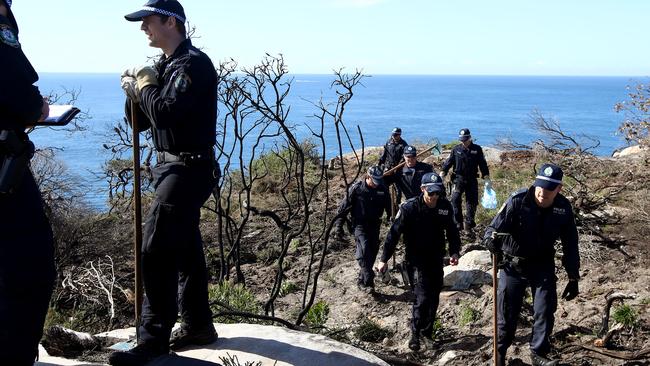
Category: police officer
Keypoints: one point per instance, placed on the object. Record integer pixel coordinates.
(392, 156)
(409, 177)
(366, 201)
(393, 150)
(177, 100)
(424, 221)
(27, 270)
(467, 159)
(533, 219)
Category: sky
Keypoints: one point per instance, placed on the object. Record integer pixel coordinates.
(433, 37)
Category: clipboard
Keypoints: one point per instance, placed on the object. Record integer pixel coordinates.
(60, 115)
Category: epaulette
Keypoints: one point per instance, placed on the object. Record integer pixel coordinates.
(519, 191)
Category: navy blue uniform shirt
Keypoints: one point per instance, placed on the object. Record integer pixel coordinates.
(393, 153)
(20, 100)
(424, 230)
(177, 107)
(409, 179)
(534, 230)
(366, 205)
(467, 162)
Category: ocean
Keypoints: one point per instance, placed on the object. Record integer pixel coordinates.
(492, 107)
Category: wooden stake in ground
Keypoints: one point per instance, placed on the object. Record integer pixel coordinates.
(137, 215)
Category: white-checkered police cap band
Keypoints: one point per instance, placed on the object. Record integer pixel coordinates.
(164, 12)
(548, 179)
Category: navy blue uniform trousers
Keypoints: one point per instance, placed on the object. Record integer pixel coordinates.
(366, 238)
(427, 287)
(27, 272)
(512, 286)
(470, 188)
(173, 262)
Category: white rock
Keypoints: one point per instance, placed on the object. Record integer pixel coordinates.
(446, 357)
(269, 345)
(629, 151)
(473, 268)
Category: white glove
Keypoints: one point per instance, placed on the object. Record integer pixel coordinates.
(145, 75)
(130, 86)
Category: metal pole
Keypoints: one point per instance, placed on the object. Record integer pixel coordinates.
(137, 216)
(495, 331)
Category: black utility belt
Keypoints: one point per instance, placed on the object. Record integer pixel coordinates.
(522, 262)
(185, 157)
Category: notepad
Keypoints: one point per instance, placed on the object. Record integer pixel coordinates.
(60, 115)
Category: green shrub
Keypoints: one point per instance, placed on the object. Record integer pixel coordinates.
(288, 287)
(317, 314)
(235, 297)
(468, 315)
(369, 331)
(625, 315)
(437, 329)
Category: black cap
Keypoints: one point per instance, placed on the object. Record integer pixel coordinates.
(396, 131)
(170, 8)
(410, 151)
(7, 3)
(464, 134)
(432, 182)
(376, 174)
(549, 177)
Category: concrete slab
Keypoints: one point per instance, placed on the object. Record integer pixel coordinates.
(270, 345)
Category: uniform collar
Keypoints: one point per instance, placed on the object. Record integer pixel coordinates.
(181, 49)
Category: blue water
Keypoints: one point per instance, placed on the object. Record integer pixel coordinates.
(492, 107)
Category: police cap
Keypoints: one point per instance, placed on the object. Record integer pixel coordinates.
(376, 174)
(464, 134)
(396, 131)
(432, 182)
(170, 8)
(549, 177)
(410, 151)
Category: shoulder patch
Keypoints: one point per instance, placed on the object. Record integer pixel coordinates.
(182, 82)
(8, 36)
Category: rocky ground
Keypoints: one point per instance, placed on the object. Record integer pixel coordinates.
(379, 322)
(465, 333)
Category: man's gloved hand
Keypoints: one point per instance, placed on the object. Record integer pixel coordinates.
(488, 182)
(130, 86)
(145, 75)
(571, 290)
(492, 243)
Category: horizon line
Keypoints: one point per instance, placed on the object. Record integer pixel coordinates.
(383, 74)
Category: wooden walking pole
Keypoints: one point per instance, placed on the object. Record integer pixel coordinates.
(400, 165)
(495, 331)
(137, 216)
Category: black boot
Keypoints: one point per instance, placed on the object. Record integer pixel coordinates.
(538, 360)
(186, 336)
(137, 356)
(414, 342)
